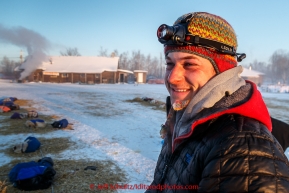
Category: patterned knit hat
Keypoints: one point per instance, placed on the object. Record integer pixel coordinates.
(209, 27)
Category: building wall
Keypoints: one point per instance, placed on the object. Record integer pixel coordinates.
(136, 74)
(77, 77)
(108, 77)
(119, 76)
(91, 78)
(156, 81)
(64, 77)
(35, 77)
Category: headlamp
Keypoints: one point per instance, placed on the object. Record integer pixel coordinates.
(178, 35)
(171, 35)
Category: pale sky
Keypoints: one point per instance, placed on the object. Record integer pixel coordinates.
(262, 27)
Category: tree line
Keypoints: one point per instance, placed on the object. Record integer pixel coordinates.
(276, 70)
(7, 66)
(155, 66)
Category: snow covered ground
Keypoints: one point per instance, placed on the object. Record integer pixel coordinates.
(108, 127)
(279, 88)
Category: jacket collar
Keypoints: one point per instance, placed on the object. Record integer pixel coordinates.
(254, 107)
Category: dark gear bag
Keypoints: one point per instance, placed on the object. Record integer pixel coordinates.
(63, 123)
(33, 175)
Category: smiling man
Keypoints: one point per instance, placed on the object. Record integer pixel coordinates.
(218, 127)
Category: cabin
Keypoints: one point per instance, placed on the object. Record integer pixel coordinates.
(253, 76)
(79, 69)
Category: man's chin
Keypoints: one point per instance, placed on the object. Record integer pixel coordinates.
(180, 104)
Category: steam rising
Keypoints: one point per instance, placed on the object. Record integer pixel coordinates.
(35, 44)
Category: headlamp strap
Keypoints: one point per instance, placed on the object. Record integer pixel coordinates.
(197, 41)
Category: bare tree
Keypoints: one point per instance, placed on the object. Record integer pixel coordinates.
(259, 66)
(280, 63)
(124, 61)
(70, 52)
(138, 61)
(8, 66)
(153, 66)
(114, 53)
(135, 60)
(102, 52)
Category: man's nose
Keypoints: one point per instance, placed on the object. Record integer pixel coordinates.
(175, 75)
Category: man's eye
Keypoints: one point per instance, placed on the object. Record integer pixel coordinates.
(169, 66)
(189, 65)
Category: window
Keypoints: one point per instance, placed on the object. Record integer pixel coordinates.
(82, 75)
(64, 75)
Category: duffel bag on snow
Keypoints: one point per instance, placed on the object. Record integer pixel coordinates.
(63, 123)
(33, 175)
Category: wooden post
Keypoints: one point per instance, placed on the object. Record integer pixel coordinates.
(114, 77)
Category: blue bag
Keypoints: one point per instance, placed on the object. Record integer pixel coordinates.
(33, 175)
(63, 123)
(33, 144)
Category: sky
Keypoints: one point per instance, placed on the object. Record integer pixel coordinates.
(130, 25)
(105, 126)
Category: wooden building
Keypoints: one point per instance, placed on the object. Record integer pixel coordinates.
(80, 69)
(140, 76)
(252, 75)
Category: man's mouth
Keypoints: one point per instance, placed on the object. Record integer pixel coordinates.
(180, 89)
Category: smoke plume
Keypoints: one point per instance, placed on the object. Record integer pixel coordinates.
(35, 44)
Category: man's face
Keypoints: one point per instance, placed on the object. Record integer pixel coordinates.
(186, 74)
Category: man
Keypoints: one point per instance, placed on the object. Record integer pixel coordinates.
(218, 129)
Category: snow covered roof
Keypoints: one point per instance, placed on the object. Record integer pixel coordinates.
(80, 64)
(127, 71)
(140, 71)
(250, 73)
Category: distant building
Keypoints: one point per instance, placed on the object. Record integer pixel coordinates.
(252, 75)
(140, 76)
(79, 69)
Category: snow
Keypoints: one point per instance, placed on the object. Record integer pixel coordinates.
(105, 125)
(79, 64)
(276, 88)
(250, 73)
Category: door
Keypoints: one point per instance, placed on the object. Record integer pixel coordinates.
(140, 77)
(121, 78)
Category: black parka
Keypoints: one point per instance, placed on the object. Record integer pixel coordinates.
(230, 153)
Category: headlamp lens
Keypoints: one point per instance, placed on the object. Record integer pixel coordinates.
(163, 33)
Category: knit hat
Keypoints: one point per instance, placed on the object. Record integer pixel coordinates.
(209, 27)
